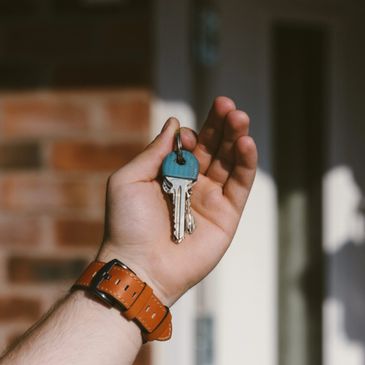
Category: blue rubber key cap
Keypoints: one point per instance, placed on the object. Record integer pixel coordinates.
(180, 169)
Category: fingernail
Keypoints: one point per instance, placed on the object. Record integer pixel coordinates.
(166, 125)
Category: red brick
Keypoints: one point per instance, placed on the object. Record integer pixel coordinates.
(37, 115)
(23, 155)
(90, 156)
(100, 192)
(14, 308)
(130, 114)
(38, 270)
(78, 233)
(38, 193)
(21, 231)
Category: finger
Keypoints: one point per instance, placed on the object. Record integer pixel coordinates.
(235, 126)
(211, 133)
(146, 166)
(189, 138)
(239, 182)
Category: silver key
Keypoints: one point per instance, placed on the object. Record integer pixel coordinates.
(179, 189)
(189, 218)
(180, 169)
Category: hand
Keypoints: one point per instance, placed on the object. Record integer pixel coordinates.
(138, 212)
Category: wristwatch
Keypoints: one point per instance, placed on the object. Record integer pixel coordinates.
(118, 286)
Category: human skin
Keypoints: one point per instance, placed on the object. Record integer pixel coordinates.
(138, 232)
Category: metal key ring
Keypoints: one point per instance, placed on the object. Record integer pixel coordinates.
(180, 159)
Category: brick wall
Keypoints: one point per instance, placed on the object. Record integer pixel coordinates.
(75, 94)
(56, 152)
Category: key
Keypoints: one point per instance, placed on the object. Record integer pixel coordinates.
(189, 218)
(178, 190)
(178, 181)
(179, 174)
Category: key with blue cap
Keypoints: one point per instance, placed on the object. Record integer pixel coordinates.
(180, 170)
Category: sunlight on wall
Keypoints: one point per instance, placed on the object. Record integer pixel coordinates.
(341, 199)
(162, 110)
(246, 284)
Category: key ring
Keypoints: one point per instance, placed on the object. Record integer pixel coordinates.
(180, 159)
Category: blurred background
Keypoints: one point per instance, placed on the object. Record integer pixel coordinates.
(85, 84)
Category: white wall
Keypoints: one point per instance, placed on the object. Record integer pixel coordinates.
(245, 319)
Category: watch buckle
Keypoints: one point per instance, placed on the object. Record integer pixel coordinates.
(103, 274)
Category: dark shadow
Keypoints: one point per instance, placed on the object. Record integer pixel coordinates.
(75, 44)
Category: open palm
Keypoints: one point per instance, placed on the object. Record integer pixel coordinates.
(138, 228)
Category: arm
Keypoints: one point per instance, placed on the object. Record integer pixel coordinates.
(138, 232)
(78, 330)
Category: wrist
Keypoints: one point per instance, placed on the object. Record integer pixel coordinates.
(118, 286)
(107, 253)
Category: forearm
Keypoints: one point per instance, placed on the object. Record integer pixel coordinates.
(78, 331)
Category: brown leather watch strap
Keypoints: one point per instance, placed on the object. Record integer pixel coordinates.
(119, 286)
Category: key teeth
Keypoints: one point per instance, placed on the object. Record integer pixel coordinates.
(188, 220)
(190, 223)
(176, 237)
(166, 186)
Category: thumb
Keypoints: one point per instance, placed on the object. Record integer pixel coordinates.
(146, 166)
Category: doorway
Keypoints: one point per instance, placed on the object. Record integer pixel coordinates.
(299, 103)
